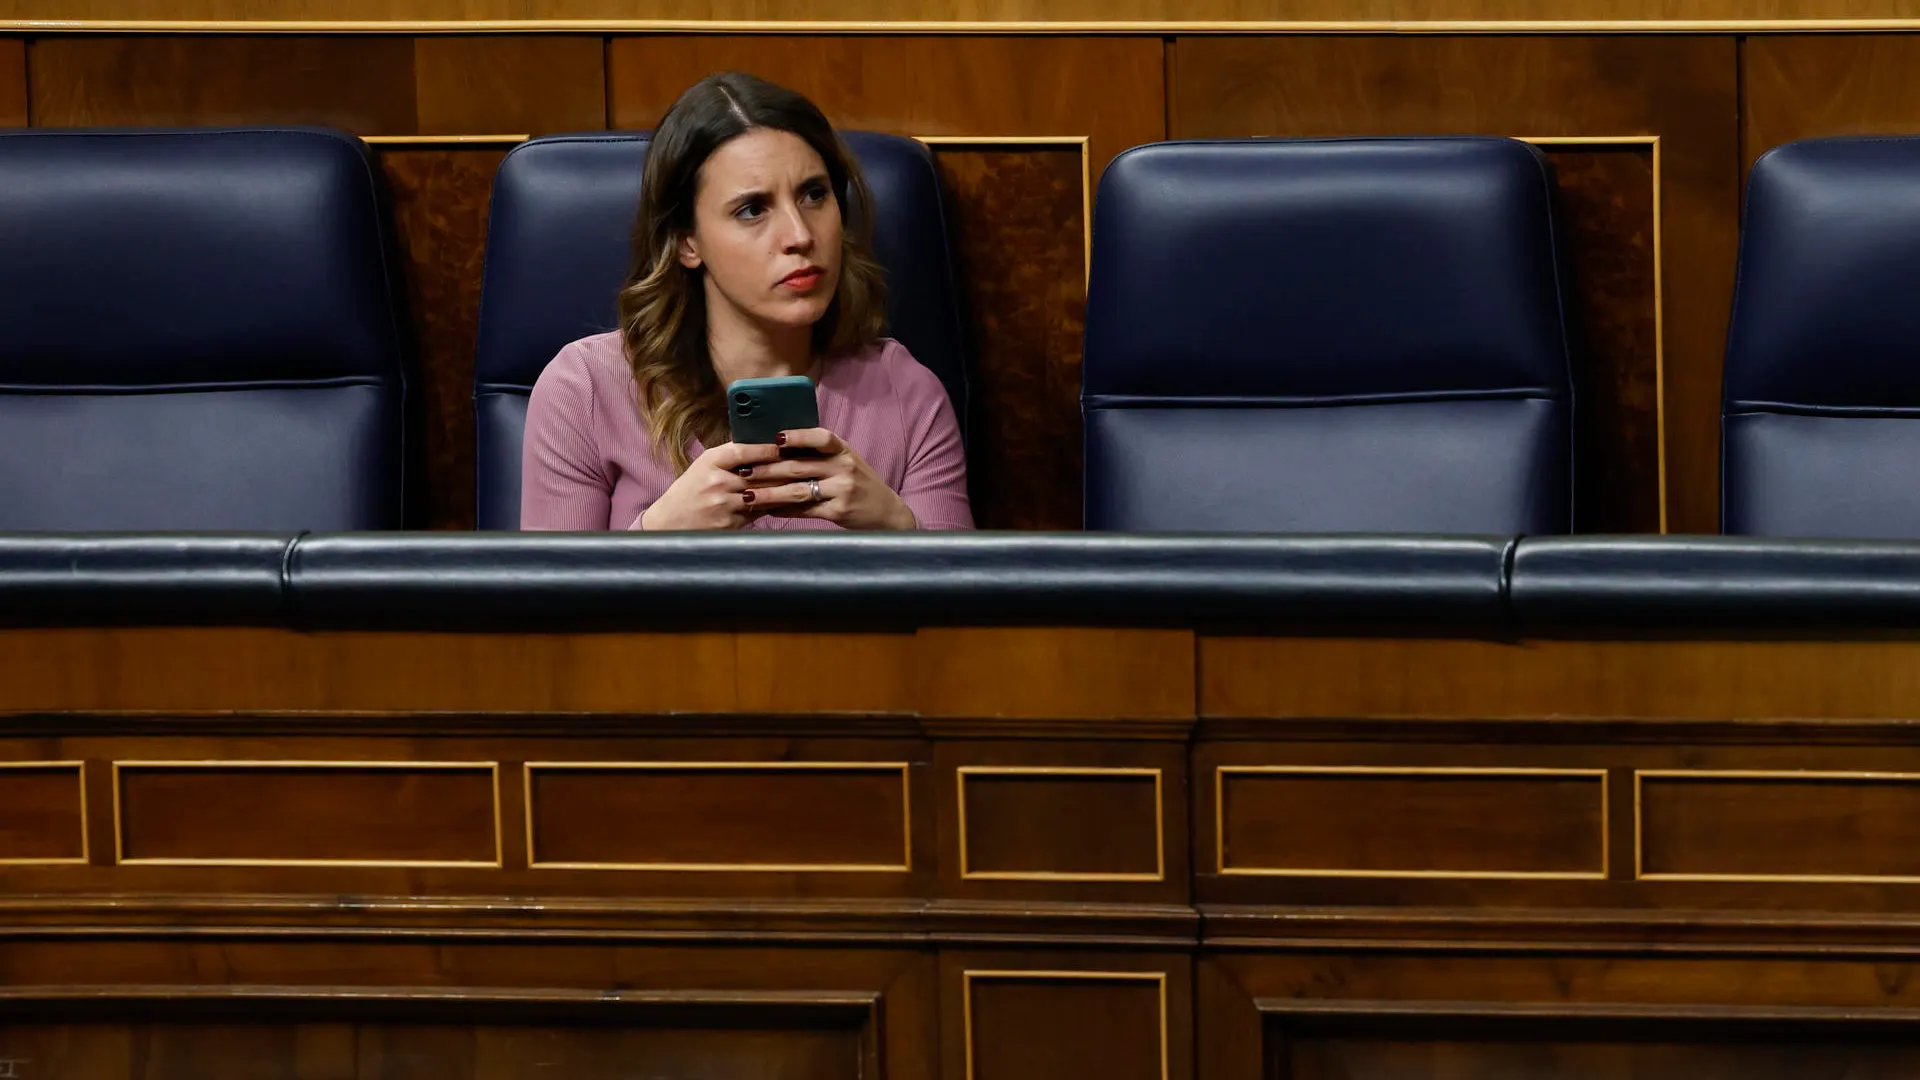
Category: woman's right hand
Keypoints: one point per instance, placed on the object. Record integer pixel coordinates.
(711, 494)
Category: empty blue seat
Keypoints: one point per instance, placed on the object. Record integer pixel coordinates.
(558, 249)
(197, 331)
(1821, 428)
(1354, 335)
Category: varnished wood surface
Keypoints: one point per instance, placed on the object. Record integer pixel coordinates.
(1379, 14)
(1442, 679)
(13, 82)
(1802, 86)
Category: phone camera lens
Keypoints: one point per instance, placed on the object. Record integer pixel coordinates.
(743, 398)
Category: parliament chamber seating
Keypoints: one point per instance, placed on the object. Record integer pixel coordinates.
(558, 248)
(1821, 428)
(197, 331)
(1346, 335)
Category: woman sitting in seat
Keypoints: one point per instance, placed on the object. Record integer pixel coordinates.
(751, 259)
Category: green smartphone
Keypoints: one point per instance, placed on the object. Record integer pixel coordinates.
(759, 409)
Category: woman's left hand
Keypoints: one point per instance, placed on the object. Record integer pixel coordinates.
(850, 493)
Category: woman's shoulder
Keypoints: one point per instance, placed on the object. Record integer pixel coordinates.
(589, 359)
(885, 364)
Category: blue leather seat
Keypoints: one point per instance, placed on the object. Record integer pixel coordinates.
(197, 331)
(1352, 335)
(1821, 425)
(558, 250)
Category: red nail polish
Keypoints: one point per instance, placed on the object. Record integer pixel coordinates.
(746, 496)
(780, 439)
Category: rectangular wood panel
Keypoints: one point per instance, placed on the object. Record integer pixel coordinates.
(1778, 826)
(307, 813)
(1037, 823)
(1307, 821)
(363, 84)
(1018, 221)
(43, 813)
(1681, 89)
(1047, 1024)
(439, 204)
(187, 1050)
(509, 84)
(1802, 86)
(715, 816)
(1045, 673)
(13, 82)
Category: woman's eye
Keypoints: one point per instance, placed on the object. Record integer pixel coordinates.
(815, 194)
(749, 211)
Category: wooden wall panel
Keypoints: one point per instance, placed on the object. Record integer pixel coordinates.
(361, 84)
(1774, 826)
(42, 813)
(1681, 89)
(13, 82)
(423, 815)
(531, 85)
(440, 199)
(969, 14)
(1802, 86)
(1017, 209)
(1017, 218)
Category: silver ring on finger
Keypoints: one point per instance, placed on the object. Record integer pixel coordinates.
(813, 488)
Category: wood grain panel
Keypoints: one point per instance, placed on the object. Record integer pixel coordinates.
(1043, 1025)
(1804, 86)
(231, 668)
(1017, 217)
(493, 85)
(42, 814)
(1386, 822)
(1607, 223)
(302, 814)
(791, 673)
(1061, 823)
(1056, 673)
(13, 82)
(361, 84)
(1682, 89)
(1788, 825)
(188, 1050)
(1460, 679)
(791, 816)
(440, 199)
(974, 15)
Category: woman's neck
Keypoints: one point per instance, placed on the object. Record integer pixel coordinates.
(742, 349)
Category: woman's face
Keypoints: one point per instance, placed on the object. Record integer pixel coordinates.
(766, 229)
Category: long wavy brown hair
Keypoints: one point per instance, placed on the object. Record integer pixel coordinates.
(663, 309)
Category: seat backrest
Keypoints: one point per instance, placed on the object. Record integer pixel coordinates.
(1352, 335)
(558, 249)
(197, 331)
(1820, 429)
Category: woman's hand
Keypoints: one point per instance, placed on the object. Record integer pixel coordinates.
(851, 494)
(714, 492)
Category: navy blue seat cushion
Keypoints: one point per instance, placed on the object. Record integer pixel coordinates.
(1821, 434)
(197, 331)
(1328, 336)
(558, 249)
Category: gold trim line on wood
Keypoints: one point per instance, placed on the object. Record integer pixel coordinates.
(1159, 823)
(1220, 831)
(1659, 291)
(492, 768)
(906, 814)
(1159, 978)
(1082, 142)
(80, 775)
(444, 140)
(954, 26)
(1639, 818)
